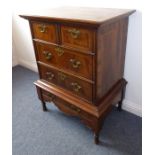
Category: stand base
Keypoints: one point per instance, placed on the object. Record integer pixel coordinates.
(91, 115)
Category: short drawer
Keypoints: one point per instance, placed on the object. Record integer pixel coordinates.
(75, 85)
(76, 37)
(69, 60)
(45, 32)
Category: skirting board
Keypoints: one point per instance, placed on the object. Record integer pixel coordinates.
(132, 107)
(30, 65)
(14, 64)
(14, 61)
(127, 105)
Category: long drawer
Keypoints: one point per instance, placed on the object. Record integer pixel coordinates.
(73, 84)
(69, 60)
(67, 107)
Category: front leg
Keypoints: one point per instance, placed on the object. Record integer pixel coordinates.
(97, 128)
(44, 106)
(40, 95)
(95, 124)
(96, 137)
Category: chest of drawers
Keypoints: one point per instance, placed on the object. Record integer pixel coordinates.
(80, 54)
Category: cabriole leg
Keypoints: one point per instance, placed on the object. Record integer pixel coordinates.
(41, 98)
(96, 138)
(97, 128)
(44, 106)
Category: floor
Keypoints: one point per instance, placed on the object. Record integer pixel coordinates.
(53, 133)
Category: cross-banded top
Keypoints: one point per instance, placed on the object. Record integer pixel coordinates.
(80, 14)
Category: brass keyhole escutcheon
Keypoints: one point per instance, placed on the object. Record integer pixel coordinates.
(62, 76)
(74, 33)
(59, 51)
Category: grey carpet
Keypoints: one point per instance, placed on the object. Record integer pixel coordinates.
(53, 133)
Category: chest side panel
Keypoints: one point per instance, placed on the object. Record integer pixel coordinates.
(111, 46)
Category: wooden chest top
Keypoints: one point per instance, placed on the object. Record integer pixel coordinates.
(80, 14)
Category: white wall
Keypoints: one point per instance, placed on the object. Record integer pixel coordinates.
(22, 42)
(14, 55)
(133, 67)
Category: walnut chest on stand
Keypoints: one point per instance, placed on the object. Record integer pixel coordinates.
(80, 54)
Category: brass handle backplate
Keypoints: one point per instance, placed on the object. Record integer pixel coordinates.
(59, 51)
(51, 96)
(75, 109)
(75, 63)
(76, 87)
(42, 28)
(49, 75)
(47, 54)
(74, 33)
(62, 76)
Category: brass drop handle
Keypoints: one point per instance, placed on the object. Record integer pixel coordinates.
(75, 109)
(59, 51)
(76, 87)
(75, 63)
(51, 96)
(42, 28)
(62, 76)
(47, 54)
(74, 33)
(49, 75)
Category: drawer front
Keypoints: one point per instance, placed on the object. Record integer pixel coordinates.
(76, 63)
(75, 85)
(61, 104)
(77, 37)
(47, 97)
(46, 32)
(65, 106)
